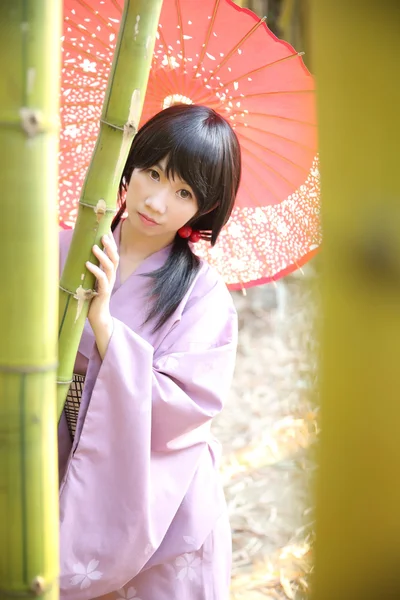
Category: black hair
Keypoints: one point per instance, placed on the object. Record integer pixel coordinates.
(202, 149)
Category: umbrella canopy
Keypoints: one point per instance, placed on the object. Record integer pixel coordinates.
(214, 53)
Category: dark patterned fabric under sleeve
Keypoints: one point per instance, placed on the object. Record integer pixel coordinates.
(73, 403)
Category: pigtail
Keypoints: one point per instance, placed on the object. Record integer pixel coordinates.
(172, 281)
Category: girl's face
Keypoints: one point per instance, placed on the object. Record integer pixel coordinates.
(158, 206)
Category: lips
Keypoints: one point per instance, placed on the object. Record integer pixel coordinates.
(147, 219)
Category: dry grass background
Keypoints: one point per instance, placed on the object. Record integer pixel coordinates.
(268, 429)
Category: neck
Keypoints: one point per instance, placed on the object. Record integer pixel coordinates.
(136, 245)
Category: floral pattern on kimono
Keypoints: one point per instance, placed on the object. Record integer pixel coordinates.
(141, 479)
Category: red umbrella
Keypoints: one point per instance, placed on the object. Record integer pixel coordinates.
(210, 52)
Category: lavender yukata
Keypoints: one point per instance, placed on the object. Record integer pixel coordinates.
(142, 511)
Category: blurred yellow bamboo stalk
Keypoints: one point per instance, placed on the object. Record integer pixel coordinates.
(356, 60)
(29, 91)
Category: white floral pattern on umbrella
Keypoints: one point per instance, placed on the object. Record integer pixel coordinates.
(210, 52)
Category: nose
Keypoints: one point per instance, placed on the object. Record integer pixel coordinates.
(158, 202)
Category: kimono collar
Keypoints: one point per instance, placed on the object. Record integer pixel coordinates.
(149, 264)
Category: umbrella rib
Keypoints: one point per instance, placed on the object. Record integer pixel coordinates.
(289, 208)
(99, 77)
(94, 13)
(73, 123)
(277, 93)
(190, 90)
(154, 89)
(208, 36)
(117, 6)
(217, 105)
(260, 256)
(271, 64)
(68, 145)
(80, 51)
(179, 15)
(168, 51)
(206, 98)
(84, 103)
(240, 43)
(292, 260)
(229, 241)
(168, 84)
(265, 148)
(277, 135)
(76, 171)
(82, 29)
(73, 86)
(268, 167)
(262, 181)
(304, 227)
(289, 119)
(162, 38)
(187, 91)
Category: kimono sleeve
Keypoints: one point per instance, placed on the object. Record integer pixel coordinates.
(64, 438)
(145, 432)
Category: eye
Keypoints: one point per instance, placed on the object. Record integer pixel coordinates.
(185, 194)
(154, 175)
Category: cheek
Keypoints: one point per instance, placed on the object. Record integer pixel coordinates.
(133, 190)
(185, 213)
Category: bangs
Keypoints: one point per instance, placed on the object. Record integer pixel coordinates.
(194, 154)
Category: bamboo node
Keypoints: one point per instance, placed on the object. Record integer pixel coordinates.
(30, 121)
(112, 125)
(129, 130)
(38, 585)
(82, 296)
(100, 209)
(109, 210)
(61, 382)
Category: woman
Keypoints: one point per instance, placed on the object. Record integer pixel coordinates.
(143, 515)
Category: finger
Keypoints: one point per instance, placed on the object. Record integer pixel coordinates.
(111, 249)
(101, 277)
(110, 238)
(106, 263)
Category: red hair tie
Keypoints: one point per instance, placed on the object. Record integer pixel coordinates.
(186, 232)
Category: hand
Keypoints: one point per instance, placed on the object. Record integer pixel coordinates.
(99, 311)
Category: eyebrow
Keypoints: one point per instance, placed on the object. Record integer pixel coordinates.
(159, 167)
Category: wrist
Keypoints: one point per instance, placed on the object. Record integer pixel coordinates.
(103, 324)
(103, 330)
(99, 320)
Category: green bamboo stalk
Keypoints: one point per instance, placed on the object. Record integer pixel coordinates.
(29, 91)
(120, 118)
(357, 45)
